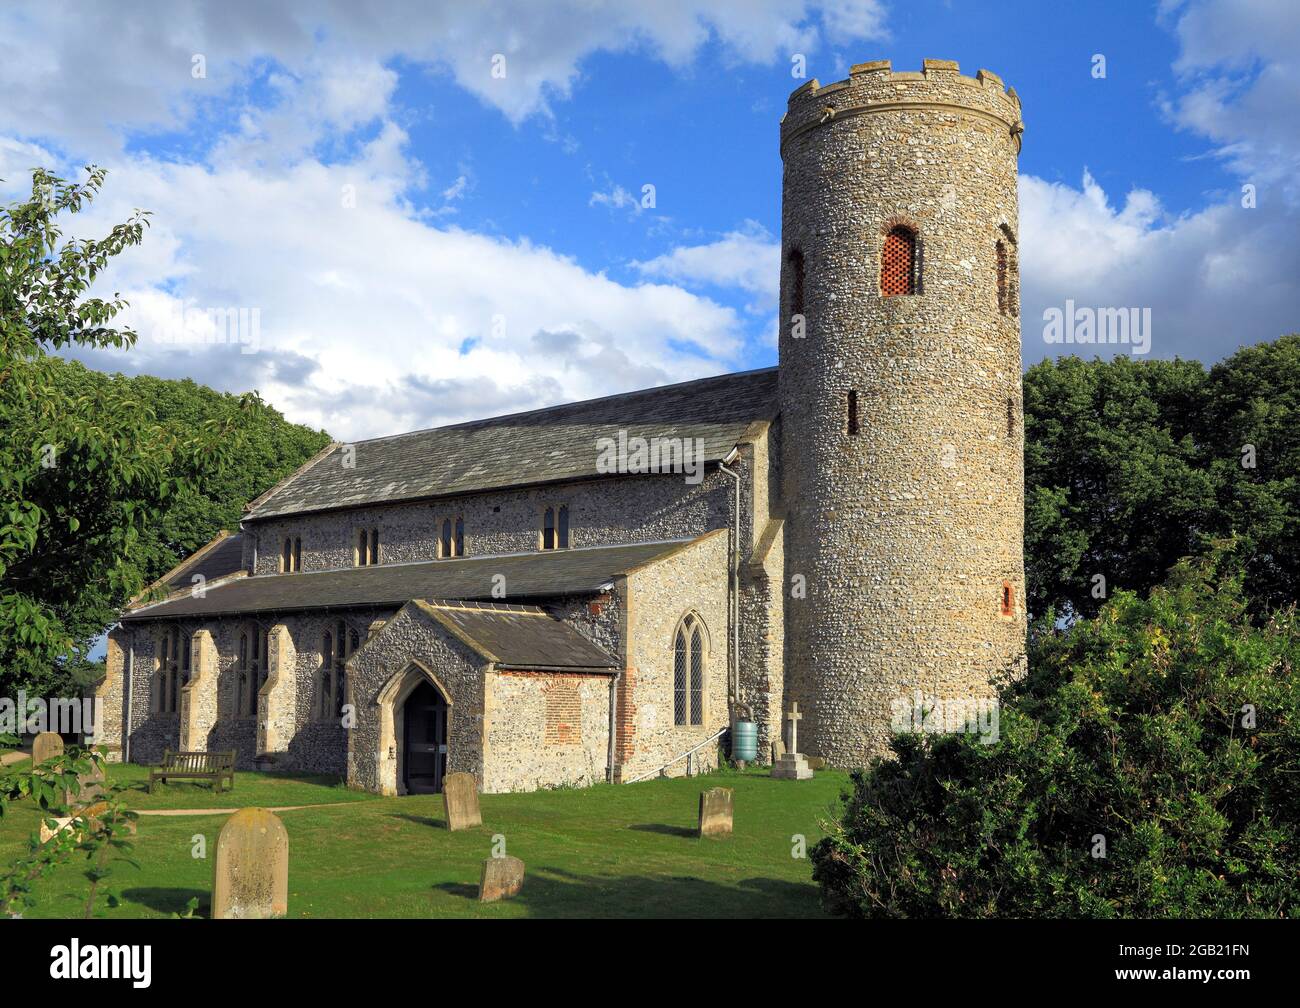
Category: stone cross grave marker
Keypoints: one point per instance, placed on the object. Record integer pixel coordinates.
(460, 793)
(792, 765)
(794, 717)
(502, 878)
(46, 746)
(716, 812)
(251, 874)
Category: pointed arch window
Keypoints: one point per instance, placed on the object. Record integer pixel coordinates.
(173, 670)
(291, 555)
(898, 262)
(689, 642)
(1000, 250)
(555, 527)
(1004, 250)
(336, 648)
(796, 282)
(366, 552)
(451, 537)
(252, 668)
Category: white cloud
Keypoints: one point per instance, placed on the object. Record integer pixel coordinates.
(1239, 61)
(89, 74)
(748, 259)
(1215, 280)
(372, 321)
(1218, 278)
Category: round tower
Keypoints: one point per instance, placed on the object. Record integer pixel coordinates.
(900, 402)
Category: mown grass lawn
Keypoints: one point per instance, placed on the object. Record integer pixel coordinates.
(606, 851)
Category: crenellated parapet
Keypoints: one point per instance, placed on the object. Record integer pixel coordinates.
(875, 87)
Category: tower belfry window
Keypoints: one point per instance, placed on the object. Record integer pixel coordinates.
(853, 411)
(1004, 294)
(898, 262)
(796, 282)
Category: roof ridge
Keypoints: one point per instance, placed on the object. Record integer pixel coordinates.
(463, 424)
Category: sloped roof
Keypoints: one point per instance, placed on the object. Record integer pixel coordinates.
(521, 575)
(522, 637)
(221, 557)
(545, 445)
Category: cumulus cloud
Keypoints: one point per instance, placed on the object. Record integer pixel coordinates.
(389, 308)
(94, 74)
(284, 198)
(1215, 280)
(747, 259)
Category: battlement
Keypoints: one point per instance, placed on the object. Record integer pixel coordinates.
(876, 86)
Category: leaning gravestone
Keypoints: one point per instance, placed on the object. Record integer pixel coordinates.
(46, 745)
(251, 875)
(460, 793)
(90, 787)
(715, 812)
(502, 878)
(778, 750)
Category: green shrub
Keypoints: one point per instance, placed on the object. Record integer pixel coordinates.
(1132, 730)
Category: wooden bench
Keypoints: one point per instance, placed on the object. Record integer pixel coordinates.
(213, 766)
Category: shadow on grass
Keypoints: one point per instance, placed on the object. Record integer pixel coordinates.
(169, 901)
(666, 830)
(461, 889)
(556, 892)
(419, 820)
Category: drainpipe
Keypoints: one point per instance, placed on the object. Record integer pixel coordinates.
(126, 699)
(734, 563)
(613, 726)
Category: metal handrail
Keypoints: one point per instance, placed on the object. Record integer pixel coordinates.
(660, 769)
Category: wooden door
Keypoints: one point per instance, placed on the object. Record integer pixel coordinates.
(425, 740)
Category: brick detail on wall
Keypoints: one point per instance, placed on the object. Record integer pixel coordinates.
(563, 712)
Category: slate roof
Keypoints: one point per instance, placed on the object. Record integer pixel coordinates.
(219, 558)
(546, 445)
(519, 636)
(224, 556)
(526, 575)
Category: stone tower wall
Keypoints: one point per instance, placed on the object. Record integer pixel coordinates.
(906, 531)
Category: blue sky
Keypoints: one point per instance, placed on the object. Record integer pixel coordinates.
(421, 242)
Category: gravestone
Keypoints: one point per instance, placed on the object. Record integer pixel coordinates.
(778, 750)
(251, 873)
(792, 765)
(90, 813)
(816, 762)
(90, 787)
(715, 812)
(460, 793)
(502, 878)
(46, 746)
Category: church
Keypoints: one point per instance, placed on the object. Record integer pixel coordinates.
(597, 591)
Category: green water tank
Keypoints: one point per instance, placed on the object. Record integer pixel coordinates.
(744, 741)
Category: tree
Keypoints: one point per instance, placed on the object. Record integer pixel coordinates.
(1116, 484)
(1143, 768)
(83, 472)
(1131, 465)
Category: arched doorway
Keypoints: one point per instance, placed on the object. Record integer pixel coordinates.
(424, 739)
